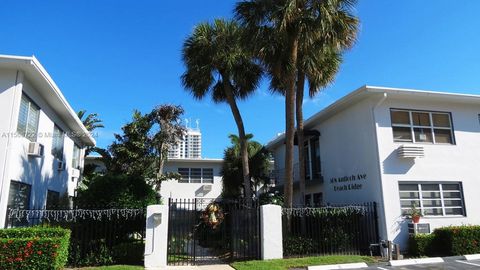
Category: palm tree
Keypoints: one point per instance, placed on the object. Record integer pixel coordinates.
(90, 121)
(280, 30)
(217, 63)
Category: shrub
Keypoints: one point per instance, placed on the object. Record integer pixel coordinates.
(297, 245)
(129, 253)
(447, 241)
(421, 245)
(457, 240)
(34, 248)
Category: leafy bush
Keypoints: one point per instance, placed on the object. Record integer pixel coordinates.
(447, 241)
(128, 253)
(120, 191)
(34, 248)
(457, 240)
(297, 245)
(421, 245)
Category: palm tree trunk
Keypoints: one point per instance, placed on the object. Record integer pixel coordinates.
(300, 134)
(243, 139)
(290, 124)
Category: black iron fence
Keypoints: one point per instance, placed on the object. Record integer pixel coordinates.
(98, 236)
(202, 231)
(333, 229)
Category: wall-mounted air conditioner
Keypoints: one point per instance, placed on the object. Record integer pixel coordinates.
(35, 149)
(75, 173)
(60, 165)
(410, 151)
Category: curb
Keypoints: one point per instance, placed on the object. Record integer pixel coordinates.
(415, 261)
(472, 257)
(338, 266)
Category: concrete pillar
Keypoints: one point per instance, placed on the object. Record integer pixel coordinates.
(156, 237)
(271, 231)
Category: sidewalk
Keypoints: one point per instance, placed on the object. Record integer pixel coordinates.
(202, 267)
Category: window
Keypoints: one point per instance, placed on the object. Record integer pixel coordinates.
(308, 200)
(57, 142)
(28, 116)
(318, 199)
(312, 159)
(196, 175)
(53, 199)
(76, 157)
(433, 199)
(19, 196)
(421, 127)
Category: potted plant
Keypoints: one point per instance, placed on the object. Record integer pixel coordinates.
(415, 214)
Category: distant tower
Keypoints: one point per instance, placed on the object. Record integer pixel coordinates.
(191, 144)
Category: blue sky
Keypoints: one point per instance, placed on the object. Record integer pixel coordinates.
(113, 56)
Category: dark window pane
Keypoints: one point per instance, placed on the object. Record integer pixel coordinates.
(433, 212)
(317, 199)
(308, 200)
(443, 136)
(19, 195)
(408, 187)
(451, 187)
(195, 175)
(451, 195)
(430, 187)
(184, 172)
(454, 212)
(441, 119)
(409, 195)
(400, 117)
(420, 119)
(409, 204)
(423, 135)
(207, 175)
(448, 203)
(402, 134)
(431, 195)
(432, 203)
(53, 199)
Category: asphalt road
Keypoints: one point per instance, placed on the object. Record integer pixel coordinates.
(447, 265)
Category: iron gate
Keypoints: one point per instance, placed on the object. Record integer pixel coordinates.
(207, 231)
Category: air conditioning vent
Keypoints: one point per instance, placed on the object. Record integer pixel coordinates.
(410, 151)
(207, 188)
(60, 166)
(35, 149)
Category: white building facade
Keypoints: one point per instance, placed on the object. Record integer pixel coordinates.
(200, 178)
(398, 148)
(189, 147)
(42, 140)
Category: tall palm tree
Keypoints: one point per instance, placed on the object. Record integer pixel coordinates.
(90, 121)
(280, 30)
(218, 64)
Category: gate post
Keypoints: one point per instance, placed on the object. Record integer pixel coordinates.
(271, 231)
(156, 237)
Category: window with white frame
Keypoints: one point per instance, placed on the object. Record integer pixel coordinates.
(422, 126)
(28, 117)
(57, 142)
(76, 156)
(432, 199)
(195, 175)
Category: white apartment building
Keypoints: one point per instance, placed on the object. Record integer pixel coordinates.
(42, 140)
(201, 178)
(396, 147)
(189, 147)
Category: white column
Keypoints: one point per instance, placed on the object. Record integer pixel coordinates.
(271, 231)
(156, 237)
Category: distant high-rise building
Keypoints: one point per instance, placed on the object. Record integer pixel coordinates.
(191, 144)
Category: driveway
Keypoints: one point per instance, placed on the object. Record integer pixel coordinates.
(447, 265)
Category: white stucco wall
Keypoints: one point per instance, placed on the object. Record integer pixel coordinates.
(174, 189)
(442, 163)
(41, 173)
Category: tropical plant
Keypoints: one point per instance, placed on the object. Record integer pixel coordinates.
(259, 162)
(218, 64)
(91, 122)
(282, 32)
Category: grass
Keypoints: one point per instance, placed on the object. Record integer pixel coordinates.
(284, 264)
(114, 267)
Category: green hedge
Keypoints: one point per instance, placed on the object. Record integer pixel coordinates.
(447, 241)
(34, 248)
